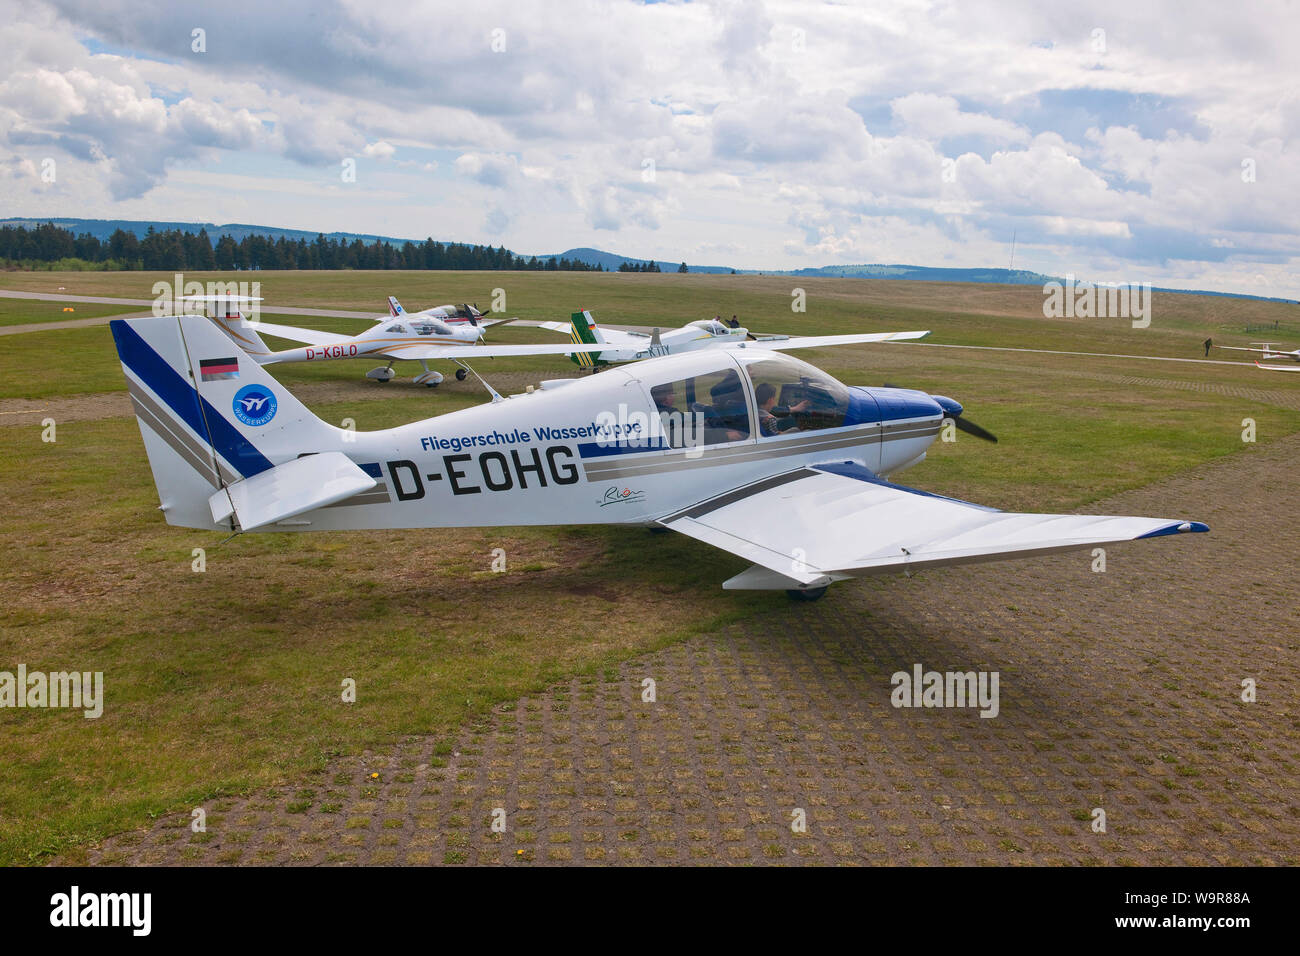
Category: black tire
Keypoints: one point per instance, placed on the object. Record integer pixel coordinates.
(460, 374)
(430, 384)
(806, 594)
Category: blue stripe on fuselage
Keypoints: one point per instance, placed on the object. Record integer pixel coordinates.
(594, 449)
(181, 397)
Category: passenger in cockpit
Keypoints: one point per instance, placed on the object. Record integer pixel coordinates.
(664, 398)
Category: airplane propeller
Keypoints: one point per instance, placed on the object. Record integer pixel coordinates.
(955, 412)
(970, 428)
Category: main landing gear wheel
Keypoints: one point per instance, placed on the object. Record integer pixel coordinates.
(805, 594)
(461, 374)
(427, 378)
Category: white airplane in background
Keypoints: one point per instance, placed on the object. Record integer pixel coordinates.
(1269, 353)
(450, 314)
(1279, 368)
(746, 449)
(626, 346)
(420, 337)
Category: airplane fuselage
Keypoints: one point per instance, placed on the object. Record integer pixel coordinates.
(367, 346)
(597, 451)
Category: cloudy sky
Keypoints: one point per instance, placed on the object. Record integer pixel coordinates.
(1119, 141)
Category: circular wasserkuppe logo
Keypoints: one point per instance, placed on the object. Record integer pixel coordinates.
(254, 405)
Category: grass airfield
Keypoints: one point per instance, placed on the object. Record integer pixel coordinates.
(227, 681)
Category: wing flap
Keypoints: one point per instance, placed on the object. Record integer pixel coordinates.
(465, 353)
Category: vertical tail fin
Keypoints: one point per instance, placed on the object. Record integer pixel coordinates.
(244, 334)
(395, 307)
(585, 332)
(211, 417)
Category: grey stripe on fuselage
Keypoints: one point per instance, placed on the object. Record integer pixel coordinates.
(375, 496)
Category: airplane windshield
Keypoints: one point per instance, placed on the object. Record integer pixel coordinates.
(793, 396)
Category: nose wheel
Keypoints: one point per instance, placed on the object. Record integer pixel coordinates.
(461, 374)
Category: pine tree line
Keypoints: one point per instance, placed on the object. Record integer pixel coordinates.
(176, 250)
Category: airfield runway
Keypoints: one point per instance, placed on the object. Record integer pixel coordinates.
(1120, 691)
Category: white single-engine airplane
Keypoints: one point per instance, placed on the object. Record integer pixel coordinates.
(746, 449)
(433, 334)
(450, 314)
(627, 346)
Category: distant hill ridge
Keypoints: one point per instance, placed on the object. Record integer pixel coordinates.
(103, 228)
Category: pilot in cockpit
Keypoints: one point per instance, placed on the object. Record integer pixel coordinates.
(773, 419)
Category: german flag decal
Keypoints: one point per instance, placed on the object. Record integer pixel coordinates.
(214, 370)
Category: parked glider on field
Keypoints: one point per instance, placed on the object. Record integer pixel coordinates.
(420, 337)
(749, 450)
(1268, 352)
(628, 346)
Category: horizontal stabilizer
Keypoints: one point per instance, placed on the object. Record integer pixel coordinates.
(292, 488)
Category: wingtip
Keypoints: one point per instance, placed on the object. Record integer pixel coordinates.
(1177, 527)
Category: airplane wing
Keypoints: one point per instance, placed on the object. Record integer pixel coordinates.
(782, 343)
(552, 326)
(614, 338)
(1266, 352)
(1279, 368)
(824, 523)
(295, 334)
(416, 351)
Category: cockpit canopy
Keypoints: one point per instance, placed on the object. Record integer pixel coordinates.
(702, 395)
(712, 326)
(426, 325)
(462, 311)
(793, 394)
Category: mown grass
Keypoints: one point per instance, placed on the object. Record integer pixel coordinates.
(32, 311)
(229, 679)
